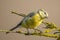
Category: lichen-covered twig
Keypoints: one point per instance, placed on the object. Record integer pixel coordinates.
(58, 38)
(38, 34)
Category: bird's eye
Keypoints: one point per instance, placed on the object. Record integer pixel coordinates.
(44, 12)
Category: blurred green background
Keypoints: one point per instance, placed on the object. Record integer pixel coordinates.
(8, 20)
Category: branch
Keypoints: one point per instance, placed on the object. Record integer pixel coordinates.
(38, 34)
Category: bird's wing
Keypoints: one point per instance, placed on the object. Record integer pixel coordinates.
(29, 15)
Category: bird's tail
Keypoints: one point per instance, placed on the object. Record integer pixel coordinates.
(14, 28)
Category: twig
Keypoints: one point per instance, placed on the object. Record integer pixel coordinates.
(38, 34)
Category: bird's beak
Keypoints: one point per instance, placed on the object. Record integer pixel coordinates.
(46, 17)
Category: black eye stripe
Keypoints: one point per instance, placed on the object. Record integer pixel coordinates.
(44, 12)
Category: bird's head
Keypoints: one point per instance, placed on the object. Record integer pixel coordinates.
(43, 13)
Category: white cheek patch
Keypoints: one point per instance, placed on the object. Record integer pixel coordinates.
(42, 14)
(46, 14)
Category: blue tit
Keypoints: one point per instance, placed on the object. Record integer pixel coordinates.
(32, 20)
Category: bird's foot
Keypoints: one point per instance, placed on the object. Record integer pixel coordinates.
(18, 31)
(28, 34)
(38, 31)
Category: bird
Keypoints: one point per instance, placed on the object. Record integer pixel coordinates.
(32, 20)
